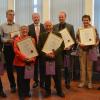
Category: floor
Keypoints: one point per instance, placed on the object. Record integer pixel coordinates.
(74, 93)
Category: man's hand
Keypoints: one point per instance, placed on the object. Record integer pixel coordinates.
(51, 54)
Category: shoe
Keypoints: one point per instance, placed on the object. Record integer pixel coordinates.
(28, 95)
(67, 86)
(21, 98)
(13, 90)
(98, 88)
(2, 94)
(48, 94)
(61, 94)
(90, 85)
(81, 85)
(35, 85)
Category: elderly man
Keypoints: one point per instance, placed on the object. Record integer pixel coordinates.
(54, 56)
(35, 29)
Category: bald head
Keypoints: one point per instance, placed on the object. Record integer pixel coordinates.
(36, 18)
(48, 26)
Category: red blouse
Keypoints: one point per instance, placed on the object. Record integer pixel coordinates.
(19, 57)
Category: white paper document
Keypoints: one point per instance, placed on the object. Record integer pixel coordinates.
(53, 42)
(87, 36)
(27, 47)
(68, 40)
(15, 33)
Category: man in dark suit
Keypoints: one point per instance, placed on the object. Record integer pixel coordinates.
(35, 29)
(67, 52)
(53, 56)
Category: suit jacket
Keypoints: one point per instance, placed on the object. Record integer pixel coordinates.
(58, 58)
(70, 29)
(32, 31)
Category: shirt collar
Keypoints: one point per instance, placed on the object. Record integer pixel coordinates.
(36, 24)
(10, 23)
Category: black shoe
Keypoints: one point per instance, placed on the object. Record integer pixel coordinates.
(28, 95)
(2, 94)
(13, 90)
(61, 94)
(67, 86)
(35, 85)
(21, 98)
(48, 94)
(98, 88)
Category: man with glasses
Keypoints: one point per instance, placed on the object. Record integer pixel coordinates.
(5, 30)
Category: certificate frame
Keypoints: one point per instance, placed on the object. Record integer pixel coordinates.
(15, 33)
(27, 47)
(87, 36)
(68, 40)
(52, 42)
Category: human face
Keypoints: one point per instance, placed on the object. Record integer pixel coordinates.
(86, 22)
(10, 16)
(24, 31)
(36, 18)
(62, 17)
(48, 26)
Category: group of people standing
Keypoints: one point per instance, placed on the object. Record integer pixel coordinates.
(39, 33)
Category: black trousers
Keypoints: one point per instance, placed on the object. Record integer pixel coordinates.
(9, 56)
(22, 84)
(39, 70)
(36, 70)
(67, 71)
(57, 80)
(1, 87)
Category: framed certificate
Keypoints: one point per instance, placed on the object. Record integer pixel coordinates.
(87, 36)
(68, 40)
(53, 42)
(27, 47)
(15, 33)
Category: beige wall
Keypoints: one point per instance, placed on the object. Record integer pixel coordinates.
(89, 8)
(10, 4)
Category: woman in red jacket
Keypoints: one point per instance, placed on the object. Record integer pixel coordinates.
(20, 61)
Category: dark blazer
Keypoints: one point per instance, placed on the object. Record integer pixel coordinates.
(32, 31)
(68, 26)
(58, 58)
(71, 31)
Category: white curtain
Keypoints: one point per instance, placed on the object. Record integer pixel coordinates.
(24, 9)
(3, 9)
(97, 15)
(73, 8)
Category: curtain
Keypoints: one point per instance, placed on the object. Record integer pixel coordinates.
(3, 9)
(97, 15)
(73, 8)
(24, 10)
